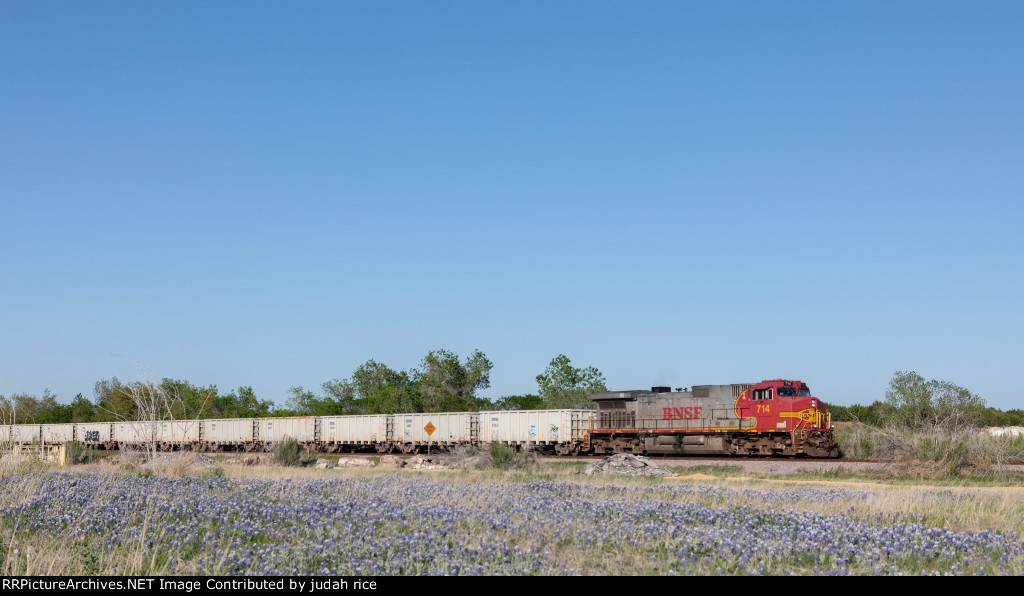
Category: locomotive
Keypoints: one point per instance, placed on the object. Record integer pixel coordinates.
(776, 417)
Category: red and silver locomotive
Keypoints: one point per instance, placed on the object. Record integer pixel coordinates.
(768, 418)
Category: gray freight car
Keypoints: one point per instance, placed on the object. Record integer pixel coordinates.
(230, 432)
(95, 434)
(409, 432)
(273, 431)
(26, 433)
(353, 432)
(135, 435)
(178, 434)
(561, 431)
(56, 434)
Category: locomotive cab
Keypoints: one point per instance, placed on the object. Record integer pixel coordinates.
(783, 406)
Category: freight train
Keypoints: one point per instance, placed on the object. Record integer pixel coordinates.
(768, 418)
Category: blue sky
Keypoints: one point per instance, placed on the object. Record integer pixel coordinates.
(679, 193)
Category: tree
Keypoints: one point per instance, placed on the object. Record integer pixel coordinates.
(520, 402)
(447, 385)
(563, 386)
(144, 404)
(242, 403)
(21, 408)
(82, 410)
(916, 403)
(379, 389)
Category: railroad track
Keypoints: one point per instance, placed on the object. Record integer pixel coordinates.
(710, 459)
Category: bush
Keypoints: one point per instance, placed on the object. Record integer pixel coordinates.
(502, 456)
(72, 452)
(943, 451)
(215, 472)
(288, 452)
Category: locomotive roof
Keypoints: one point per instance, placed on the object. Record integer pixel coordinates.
(695, 391)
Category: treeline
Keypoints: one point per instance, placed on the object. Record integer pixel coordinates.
(912, 402)
(879, 412)
(441, 383)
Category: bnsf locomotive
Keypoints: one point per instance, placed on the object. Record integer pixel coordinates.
(768, 418)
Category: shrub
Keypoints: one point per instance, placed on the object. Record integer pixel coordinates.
(288, 452)
(72, 452)
(215, 472)
(502, 456)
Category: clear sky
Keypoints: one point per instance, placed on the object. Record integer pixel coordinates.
(677, 193)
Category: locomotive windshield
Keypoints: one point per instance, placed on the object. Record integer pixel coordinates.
(805, 392)
(787, 392)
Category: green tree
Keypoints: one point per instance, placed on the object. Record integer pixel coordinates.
(186, 401)
(520, 402)
(242, 403)
(113, 401)
(562, 385)
(343, 394)
(916, 403)
(82, 410)
(22, 408)
(379, 389)
(447, 385)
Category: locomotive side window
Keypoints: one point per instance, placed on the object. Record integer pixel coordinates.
(762, 394)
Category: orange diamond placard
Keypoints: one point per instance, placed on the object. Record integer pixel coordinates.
(429, 428)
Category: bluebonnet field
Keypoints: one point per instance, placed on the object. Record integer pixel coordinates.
(405, 524)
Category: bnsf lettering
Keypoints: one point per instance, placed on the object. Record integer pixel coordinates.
(680, 413)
